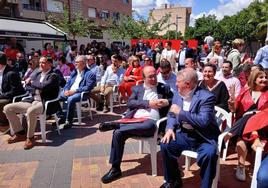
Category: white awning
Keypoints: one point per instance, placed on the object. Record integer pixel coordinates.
(30, 30)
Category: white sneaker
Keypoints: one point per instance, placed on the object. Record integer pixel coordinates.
(240, 173)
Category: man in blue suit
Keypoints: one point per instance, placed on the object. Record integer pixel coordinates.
(151, 101)
(191, 125)
(81, 79)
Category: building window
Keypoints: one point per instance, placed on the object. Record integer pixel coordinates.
(55, 6)
(104, 14)
(125, 1)
(116, 15)
(34, 5)
(92, 12)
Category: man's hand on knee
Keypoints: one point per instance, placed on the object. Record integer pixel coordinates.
(168, 136)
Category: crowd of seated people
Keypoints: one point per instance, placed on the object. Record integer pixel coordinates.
(147, 87)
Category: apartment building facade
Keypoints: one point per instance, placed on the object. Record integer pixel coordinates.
(96, 10)
(179, 20)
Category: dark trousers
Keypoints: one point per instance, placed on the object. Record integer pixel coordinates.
(206, 159)
(144, 129)
(3, 118)
(71, 100)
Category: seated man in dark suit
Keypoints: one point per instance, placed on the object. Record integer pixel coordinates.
(192, 113)
(81, 79)
(44, 87)
(11, 86)
(151, 101)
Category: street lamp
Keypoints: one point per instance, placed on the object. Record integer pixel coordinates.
(177, 17)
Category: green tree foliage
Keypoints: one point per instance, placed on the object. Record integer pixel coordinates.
(75, 25)
(249, 24)
(172, 35)
(129, 28)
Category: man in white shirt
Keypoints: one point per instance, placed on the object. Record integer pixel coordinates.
(209, 40)
(45, 86)
(232, 83)
(81, 80)
(189, 63)
(169, 54)
(150, 101)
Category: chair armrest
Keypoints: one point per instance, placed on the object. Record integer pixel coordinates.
(115, 88)
(20, 96)
(27, 97)
(160, 121)
(83, 94)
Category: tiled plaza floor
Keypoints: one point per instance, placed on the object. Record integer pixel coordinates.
(79, 157)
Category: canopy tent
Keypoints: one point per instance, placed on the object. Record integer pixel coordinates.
(30, 30)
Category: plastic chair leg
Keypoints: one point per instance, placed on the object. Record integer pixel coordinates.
(78, 109)
(42, 120)
(153, 148)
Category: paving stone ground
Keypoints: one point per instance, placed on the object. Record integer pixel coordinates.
(79, 157)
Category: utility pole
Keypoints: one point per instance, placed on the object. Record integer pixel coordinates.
(69, 10)
(177, 17)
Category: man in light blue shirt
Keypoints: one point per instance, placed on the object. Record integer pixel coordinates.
(166, 76)
(113, 76)
(262, 56)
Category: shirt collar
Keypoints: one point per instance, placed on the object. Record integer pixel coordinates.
(2, 70)
(189, 95)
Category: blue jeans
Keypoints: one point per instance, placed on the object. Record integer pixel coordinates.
(262, 176)
(71, 100)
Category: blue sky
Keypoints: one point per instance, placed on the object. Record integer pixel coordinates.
(199, 7)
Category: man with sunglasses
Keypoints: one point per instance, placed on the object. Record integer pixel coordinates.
(166, 76)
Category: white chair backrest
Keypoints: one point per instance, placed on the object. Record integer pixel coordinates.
(223, 115)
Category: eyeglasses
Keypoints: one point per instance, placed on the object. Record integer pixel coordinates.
(146, 59)
(151, 76)
(164, 73)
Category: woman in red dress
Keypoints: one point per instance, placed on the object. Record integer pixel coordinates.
(251, 100)
(131, 77)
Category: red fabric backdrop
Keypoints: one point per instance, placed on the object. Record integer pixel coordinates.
(175, 43)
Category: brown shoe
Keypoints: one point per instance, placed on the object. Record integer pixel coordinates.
(16, 138)
(29, 143)
(4, 129)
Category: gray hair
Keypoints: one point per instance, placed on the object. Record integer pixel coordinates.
(188, 74)
(82, 57)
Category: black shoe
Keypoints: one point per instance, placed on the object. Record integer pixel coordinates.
(62, 120)
(175, 184)
(112, 175)
(107, 126)
(99, 108)
(68, 125)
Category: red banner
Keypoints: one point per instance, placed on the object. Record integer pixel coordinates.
(175, 43)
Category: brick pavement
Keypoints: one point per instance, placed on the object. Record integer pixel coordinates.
(79, 157)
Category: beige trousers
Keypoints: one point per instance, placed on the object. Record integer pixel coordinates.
(95, 94)
(32, 111)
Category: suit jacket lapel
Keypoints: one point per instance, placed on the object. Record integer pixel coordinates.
(194, 99)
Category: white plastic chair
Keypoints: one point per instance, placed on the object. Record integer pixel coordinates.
(114, 96)
(42, 118)
(257, 164)
(79, 107)
(152, 141)
(223, 115)
(15, 99)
